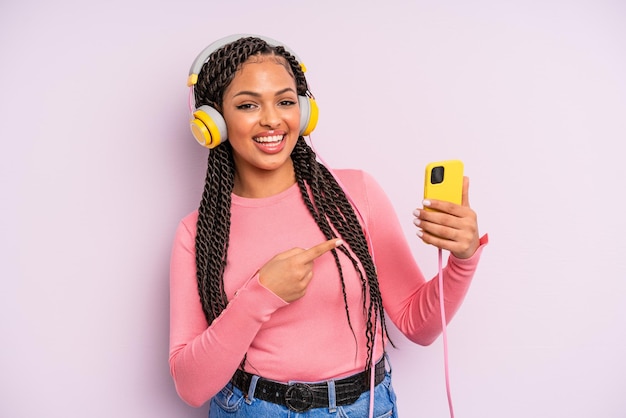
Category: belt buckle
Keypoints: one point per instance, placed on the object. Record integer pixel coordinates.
(299, 397)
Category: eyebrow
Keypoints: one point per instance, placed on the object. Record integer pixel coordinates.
(255, 94)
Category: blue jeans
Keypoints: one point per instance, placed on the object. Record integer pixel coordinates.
(230, 402)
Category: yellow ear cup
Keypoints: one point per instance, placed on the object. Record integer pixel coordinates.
(309, 113)
(208, 127)
(201, 133)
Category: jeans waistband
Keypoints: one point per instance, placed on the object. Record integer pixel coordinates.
(300, 397)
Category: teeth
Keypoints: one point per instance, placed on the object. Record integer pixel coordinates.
(273, 138)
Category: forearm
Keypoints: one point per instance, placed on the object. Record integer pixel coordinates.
(203, 358)
(420, 318)
(202, 364)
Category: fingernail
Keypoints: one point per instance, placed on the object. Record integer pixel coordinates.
(419, 233)
(416, 222)
(416, 212)
(426, 202)
(338, 243)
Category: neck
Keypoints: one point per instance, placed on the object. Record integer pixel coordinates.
(263, 183)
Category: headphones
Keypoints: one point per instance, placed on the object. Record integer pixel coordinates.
(208, 125)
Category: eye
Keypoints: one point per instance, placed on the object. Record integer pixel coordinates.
(245, 106)
(287, 102)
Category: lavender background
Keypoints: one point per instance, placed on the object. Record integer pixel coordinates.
(98, 166)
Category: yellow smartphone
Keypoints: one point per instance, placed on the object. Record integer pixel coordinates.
(444, 181)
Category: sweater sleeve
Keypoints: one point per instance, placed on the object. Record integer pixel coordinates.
(203, 358)
(411, 301)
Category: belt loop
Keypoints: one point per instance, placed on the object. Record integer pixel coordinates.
(332, 397)
(386, 356)
(251, 389)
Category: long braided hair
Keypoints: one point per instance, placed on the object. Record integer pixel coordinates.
(323, 196)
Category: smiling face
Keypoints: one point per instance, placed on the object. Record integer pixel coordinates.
(262, 116)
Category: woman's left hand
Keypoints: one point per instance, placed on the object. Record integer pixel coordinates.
(450, 226)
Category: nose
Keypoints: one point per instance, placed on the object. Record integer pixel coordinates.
(270, 117)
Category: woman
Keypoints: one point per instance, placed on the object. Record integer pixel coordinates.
(279, 280)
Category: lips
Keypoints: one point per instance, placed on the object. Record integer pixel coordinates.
(270, 144)
(269, 139)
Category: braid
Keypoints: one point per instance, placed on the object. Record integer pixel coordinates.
(213, 231)
(332, 211)
(298, 73)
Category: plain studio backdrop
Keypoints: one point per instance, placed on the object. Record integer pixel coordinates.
(98, 166)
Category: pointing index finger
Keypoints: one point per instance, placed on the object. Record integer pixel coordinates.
(320, 249)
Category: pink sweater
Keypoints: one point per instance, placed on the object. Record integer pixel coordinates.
(309, 339)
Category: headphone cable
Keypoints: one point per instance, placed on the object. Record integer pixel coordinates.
(444, 333)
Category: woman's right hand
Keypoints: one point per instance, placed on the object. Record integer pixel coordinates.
(288, 274)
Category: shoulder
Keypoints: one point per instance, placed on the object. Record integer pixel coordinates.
(364, 192)
(187, 225)
(353, 177)
(190, 218)
(358, 182)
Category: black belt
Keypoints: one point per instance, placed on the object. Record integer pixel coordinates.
(300, 397)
